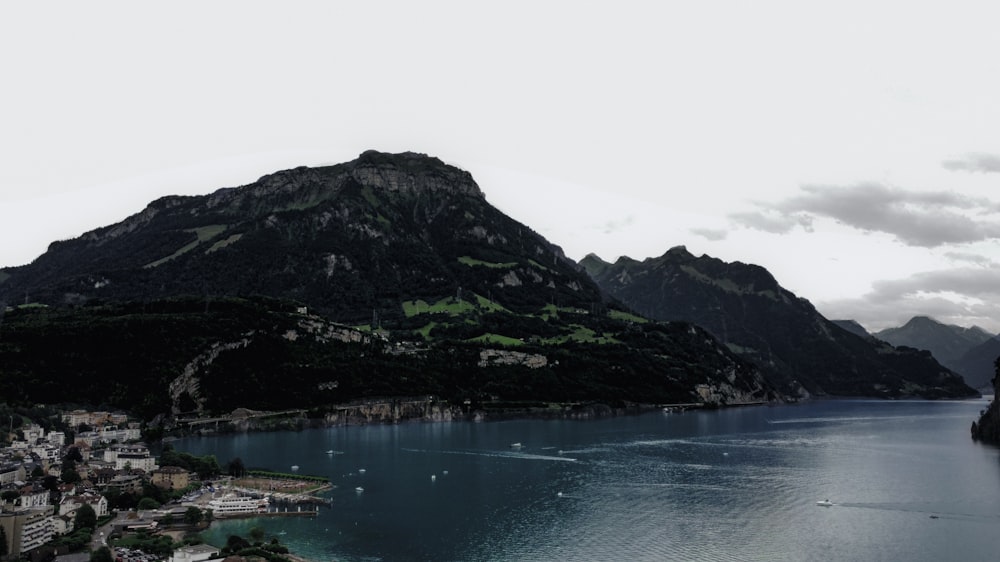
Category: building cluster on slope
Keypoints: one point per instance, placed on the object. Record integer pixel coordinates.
(39, 502)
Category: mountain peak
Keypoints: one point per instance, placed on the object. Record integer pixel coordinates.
(411, 172)
(593, 264)
(679, 252)
(922, 321)
(406, 173)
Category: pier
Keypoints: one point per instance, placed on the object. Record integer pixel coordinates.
(295, 513)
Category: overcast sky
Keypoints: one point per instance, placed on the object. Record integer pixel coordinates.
(853, 149)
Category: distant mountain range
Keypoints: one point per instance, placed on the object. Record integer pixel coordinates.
(968, 351)
(744, 307)
(392, 275)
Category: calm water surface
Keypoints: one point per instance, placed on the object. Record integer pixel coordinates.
(740, 484)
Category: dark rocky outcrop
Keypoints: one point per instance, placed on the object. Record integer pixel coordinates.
(987, 429)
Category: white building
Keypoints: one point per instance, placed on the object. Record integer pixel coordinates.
(36, 528)
(33, 497)
(62, 525)
(195, 553)
(90, 438)
(107, 435)
(76, 418)
(46, 451)
(131, 456)
(33, 433)
(13, 472)
(70, 504)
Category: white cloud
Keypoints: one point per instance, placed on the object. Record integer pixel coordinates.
(962, 296)
(917, 218)
(974, 162)
(712, 234)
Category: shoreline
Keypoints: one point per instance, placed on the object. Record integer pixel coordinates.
(555, 411)
(551, 411)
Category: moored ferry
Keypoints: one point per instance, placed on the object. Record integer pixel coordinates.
(231, 504)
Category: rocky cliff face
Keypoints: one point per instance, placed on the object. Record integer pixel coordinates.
(987, 428)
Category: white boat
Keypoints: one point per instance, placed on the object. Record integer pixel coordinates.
(330, 452)
(515, 445)
(295, 467)
(231, 504)
(824, 503)
(359, 489)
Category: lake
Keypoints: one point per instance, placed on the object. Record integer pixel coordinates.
(906, 481)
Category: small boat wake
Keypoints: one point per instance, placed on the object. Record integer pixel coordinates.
(933, 510)
(515, 454)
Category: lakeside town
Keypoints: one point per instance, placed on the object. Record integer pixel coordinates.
(80, 485)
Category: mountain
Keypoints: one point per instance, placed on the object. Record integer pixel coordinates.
(977, 364)
(744, 307)
(351, 240)
(385, 276)
(946, 342)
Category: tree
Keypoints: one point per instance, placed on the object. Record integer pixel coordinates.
(37, 472)
(167, 519)
(86, 517)
(3, 542)
(124, 501)
(50, 483)
(257, 534)
(193, 516)
(74, 454)
(206, 466)
(236, 468)
(154, 492)
(147, 503)
(236, 543)
(102, 554)
(70, 476)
